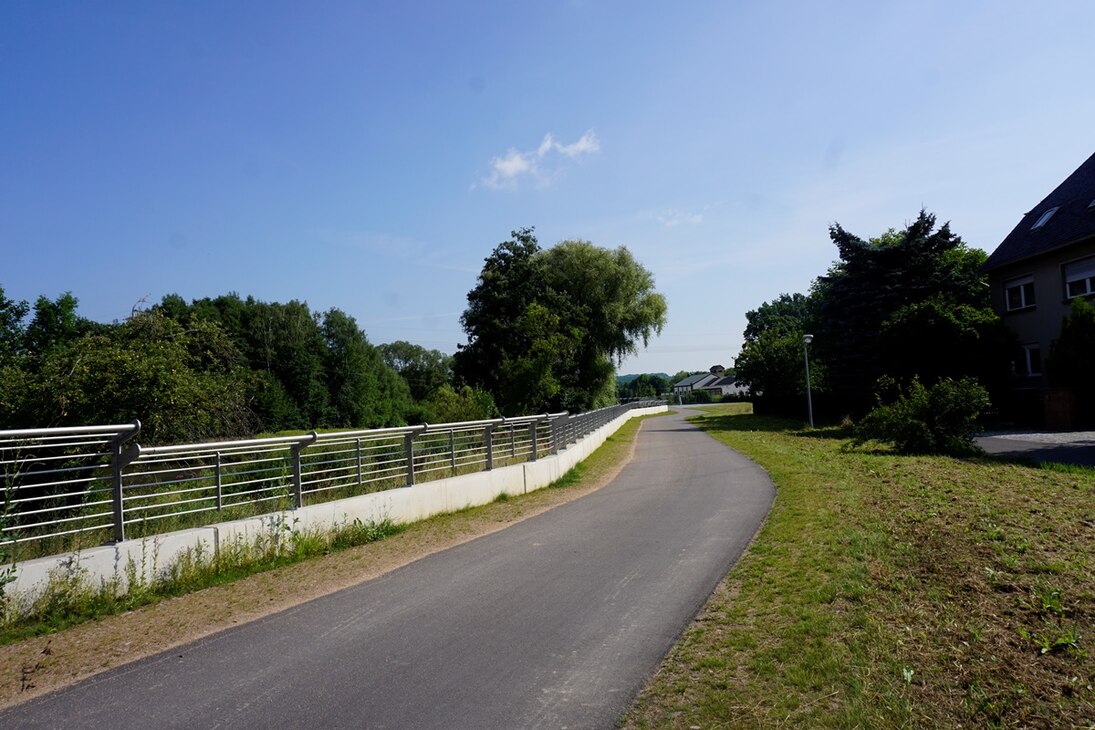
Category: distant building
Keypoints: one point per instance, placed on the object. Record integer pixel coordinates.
(714, 382)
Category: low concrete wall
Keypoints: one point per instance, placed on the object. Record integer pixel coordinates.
(148, 558)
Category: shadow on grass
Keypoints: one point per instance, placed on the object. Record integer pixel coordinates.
(771, 424)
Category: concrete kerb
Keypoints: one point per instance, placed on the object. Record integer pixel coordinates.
(147, 559)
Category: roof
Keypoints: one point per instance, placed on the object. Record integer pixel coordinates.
(692, 380)
(728, 380)
(1073, 221)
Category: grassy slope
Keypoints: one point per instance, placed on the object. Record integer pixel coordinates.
(889, 591)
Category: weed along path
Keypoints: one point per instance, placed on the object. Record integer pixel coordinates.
(555, 621)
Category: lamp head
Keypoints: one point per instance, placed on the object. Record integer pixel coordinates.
(807, 339)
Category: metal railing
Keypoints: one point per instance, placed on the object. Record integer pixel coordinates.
(67, 488)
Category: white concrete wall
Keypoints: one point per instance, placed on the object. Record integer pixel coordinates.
(148, 558)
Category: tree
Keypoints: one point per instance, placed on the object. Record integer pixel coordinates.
(183, 384)
(908, 302)
(452, 405)
(424, 370)
(645, 386)
(1072, 354)
(364, 392)
(12, 314)
(608, 304)
(771, 360)
(547, 327)
(55, 324)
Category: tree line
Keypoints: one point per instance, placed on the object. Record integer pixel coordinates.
(907, 303)
(900, 319)
(545, 329)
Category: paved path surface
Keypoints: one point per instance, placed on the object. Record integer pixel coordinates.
(1077, 447)
(554, 622)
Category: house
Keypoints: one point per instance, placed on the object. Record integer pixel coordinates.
(694, 382)
(1044, 263)
(715, 381)
(725, 386)
(1034, 274)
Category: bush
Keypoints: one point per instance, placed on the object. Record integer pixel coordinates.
(941, 419)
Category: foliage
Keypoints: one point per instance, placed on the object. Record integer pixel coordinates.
(315, 370)
(452, 405)
(1072, 354)
(940, 419)
(183, 384)
(910, 302)
(546, 327)
(646, 385)
(771, 363)
(215, 368)
(11, 328)
(363, 390)
(424, 370)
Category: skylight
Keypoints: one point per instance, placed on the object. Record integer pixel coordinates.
(1043, 219)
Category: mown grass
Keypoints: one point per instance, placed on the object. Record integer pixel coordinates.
(887, 591)
(72, 597)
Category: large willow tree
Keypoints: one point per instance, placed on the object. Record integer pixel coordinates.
(547, 327)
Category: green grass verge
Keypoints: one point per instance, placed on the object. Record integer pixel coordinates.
(887, 591)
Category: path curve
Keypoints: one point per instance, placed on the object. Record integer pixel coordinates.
(554, 622)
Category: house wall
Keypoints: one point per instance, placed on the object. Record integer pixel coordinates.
(1040, 324)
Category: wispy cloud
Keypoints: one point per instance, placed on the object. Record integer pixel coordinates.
(674, 218)
(541, 164)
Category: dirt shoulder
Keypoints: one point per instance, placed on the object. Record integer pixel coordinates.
(42, 664)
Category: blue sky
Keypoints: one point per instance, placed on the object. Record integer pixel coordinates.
(369, 156)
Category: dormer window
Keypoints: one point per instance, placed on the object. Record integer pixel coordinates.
(1043, 219)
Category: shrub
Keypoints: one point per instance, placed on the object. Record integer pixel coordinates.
(940, 419)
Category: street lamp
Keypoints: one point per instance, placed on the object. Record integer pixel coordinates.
(806, 340)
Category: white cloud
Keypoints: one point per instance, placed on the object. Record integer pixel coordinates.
(673, 218)
(539, 164)
(588, 144)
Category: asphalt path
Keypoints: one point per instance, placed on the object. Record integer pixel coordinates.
(555, 622)
(1062, 448)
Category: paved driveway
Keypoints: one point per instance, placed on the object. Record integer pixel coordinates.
(1077, 447)
(554, 622)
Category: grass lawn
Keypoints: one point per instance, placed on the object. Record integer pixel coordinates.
(889, 591)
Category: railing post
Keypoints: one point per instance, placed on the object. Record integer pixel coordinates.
(217, 477)
(488, 438)
(358, 441)
(512, 441)
(452, 451)
(408, 447)
(298, 479)
(116, 491)
(535, 444)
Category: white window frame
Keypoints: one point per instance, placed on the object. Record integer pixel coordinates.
(1020, 284)
(1082, 270)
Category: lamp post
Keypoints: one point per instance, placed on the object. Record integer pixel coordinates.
(806, 340)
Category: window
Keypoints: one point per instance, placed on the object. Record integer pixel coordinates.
(1043, 219)
(1032, 355)
(1019, 293)
(1079, 278)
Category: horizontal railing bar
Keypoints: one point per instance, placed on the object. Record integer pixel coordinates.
(66, 430)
